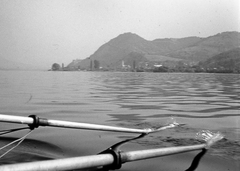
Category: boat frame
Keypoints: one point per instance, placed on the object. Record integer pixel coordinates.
(111, 158)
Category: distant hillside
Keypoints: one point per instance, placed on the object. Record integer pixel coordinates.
(119, 48)
(228, 61)
(128, 48)
(169, 45)
(208, 47)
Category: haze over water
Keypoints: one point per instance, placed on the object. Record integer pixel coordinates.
(135, 100)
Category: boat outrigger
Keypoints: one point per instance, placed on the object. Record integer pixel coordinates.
(111, 158)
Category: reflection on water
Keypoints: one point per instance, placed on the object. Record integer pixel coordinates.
(201, 101)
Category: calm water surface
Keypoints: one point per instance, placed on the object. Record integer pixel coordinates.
(136, 100)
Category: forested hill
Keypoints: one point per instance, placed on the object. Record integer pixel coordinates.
(228, 61)
(128, 48)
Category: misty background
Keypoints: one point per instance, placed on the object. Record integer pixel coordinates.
(41, 32)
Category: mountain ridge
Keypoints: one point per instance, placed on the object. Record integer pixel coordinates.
(192, 49)
(209, 47)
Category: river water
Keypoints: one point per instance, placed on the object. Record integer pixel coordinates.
(134, 100)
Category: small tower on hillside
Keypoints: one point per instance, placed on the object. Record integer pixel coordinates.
(123, 65)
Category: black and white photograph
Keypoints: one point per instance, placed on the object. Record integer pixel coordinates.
(128, 85)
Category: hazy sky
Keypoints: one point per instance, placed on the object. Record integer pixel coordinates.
(48, 31)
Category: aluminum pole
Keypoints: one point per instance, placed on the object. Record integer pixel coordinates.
(97, 160)
(78, 125)
(153, 153)
(62, 164)
(108, 159)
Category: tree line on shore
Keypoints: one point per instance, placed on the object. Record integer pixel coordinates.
(179, 66)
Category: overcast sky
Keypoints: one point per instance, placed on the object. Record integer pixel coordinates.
(48, 31)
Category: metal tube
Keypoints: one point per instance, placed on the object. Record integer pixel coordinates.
(68, 124)
(16, 119)
(97, 160)
(62, 164)
(152, 153)
(78, 125)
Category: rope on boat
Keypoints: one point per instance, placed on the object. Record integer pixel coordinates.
(19, 140)
(2, 132)
(32, 126)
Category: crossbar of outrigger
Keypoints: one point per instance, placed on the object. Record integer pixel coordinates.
(100, 160)
(77, 125)
(111, 158)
